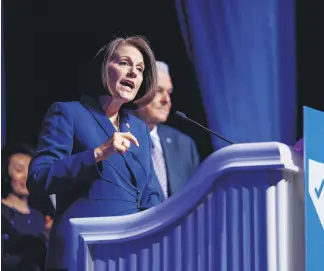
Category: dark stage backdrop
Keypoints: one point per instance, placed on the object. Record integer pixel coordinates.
(310, 56)
(47, 43)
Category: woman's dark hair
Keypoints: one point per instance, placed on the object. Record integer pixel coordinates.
(7, 152)
(147, 90)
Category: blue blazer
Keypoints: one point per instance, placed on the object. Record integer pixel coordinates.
(180, 155)
(65, 165)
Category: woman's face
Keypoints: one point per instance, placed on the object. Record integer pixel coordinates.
(18, 171)
(125, 73)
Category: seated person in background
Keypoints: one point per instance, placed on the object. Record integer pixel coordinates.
(174, 154)
(22, 228)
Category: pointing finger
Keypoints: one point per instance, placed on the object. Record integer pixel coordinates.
(131, 138)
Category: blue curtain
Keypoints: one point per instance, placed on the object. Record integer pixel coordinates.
(244, 56)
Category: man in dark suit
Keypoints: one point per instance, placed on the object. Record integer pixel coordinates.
(174, 154)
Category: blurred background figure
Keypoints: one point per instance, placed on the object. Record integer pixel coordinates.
(23, 229)
(174, 154)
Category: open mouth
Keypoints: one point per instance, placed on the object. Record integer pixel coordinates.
(127, 83)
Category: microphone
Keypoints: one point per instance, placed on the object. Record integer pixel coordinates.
(184, 117)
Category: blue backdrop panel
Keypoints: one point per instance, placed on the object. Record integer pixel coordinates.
(314, 187)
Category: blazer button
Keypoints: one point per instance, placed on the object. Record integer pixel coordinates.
(138, 192)
(137, 199)
(138, 206)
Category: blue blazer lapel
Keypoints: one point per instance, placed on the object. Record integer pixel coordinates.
(117, 161)
(98, 114)
(131, 159)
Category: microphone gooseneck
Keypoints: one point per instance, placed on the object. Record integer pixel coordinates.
(184, 117)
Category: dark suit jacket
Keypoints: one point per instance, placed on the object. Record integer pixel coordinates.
(180, 155)
(64, 165)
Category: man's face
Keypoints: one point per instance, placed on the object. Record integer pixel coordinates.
(158, 110)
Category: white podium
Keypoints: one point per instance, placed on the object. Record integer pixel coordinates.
(243, 209)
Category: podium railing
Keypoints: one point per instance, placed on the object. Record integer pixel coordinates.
(243, 209)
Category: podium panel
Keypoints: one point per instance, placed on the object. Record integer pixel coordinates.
(314, 192)
(243, 209)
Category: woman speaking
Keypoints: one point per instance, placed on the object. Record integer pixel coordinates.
(93, 153)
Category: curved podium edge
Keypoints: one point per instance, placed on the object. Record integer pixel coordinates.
(271, 155)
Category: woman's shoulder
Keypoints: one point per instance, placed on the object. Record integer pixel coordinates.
(65, 105)
(70, 109)
(14, 219)
(7, 210)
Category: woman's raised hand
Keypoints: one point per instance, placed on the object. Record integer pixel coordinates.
(119, 142)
